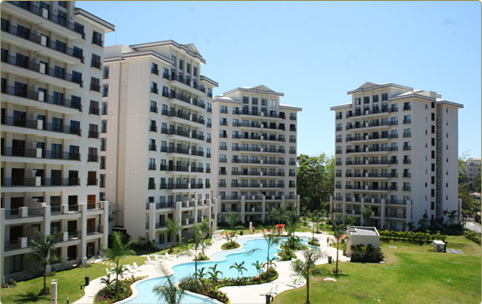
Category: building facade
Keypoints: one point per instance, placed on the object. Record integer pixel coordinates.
(472, 168)
(254, 144)
(156, 138)
(396, 151)
(52, 55)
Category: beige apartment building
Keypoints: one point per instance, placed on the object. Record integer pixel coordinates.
(254, 144)
(156, 138)
(396, 151)
(472, 168)
(52, 55)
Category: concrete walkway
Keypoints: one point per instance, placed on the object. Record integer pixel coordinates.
(237, 294)
(473, 226)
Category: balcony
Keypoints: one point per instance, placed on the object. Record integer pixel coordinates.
(94, 111)
(19, 213)
(153, 109)
(183, 80)
(41, 69)
(92, 182)
(93, 134)
(94, 230)
(372, 124)
(40, 182)
(40, 97)
(92, 158)
(44, 41)
(256, 113)
(359, 113)
(95, 87)
(40, 125)
(27, 5)
(39, 153)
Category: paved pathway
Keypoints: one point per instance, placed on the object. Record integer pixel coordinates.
(473, 226)
(237, 294)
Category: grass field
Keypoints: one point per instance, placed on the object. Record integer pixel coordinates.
(411, 274)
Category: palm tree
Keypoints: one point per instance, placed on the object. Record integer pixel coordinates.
(451, 215)
(173, 228)
(338, 231)
(366, 213)
(201, 273)
(233, 219)
(214, 273)
(167, 291)
(307, 268)
(316, 217)
(239, 267)
(204, 228)
(258, 266)
(118, 251)
(43, 251)
(271, 240)
(292, 220)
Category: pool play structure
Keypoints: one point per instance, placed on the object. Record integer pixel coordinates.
(143, 290)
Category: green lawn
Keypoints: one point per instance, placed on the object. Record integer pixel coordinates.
(411, 274)
(68, 284)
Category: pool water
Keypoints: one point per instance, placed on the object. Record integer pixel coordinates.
(224, 259)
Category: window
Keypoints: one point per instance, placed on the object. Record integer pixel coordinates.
(384, 96)
(93, 131)
(407, 106)
(154, 69)
(96, 62)
(375, 98)
(245, 100)
(103, 126)
(407, 119)
(223, 121)
(103, 109)
(92, 156)
(105, 90)
(224, 109)
(95, 84)
(106, 72)
(97, 38)
(103, 144)
(293, 116)
(154, 88)
(366, 99)
(94, 107)
(210, 109)
(222, 158)
(222, 146)
(254, 101)
(181, 64)
(91, 178)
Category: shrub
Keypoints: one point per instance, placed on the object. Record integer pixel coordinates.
(286, 254)
(472, 235)
(313, 242)
(360, 253)
(110, 294)
(230, 245)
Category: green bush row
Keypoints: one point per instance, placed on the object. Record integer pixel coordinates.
(472, 235)
(410, 236)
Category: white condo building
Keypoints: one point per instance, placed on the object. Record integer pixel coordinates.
(156, 138)
(52, 55)
(396, 151)
(254, 144)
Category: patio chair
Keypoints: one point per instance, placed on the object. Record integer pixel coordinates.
(158, 258)
(136, 267)
(168, 257)
(149, 260)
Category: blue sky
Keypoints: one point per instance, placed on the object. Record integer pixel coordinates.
(314, 52)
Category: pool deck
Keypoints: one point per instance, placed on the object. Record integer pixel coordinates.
(237, 294)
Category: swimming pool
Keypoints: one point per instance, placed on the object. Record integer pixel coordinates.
(223, 259)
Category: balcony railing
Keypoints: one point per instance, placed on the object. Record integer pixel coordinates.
(42, 12)
(40, 125)
(39, 153)
(40, 96)
(39, 182)
(41, 68)
(47, 42)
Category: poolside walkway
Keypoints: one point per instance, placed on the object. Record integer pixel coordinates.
(237, 294)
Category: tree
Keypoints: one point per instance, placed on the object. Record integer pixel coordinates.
(214, 273)
(423, 222)
(258, 266)
(451, 215)
(366, 213)
(173, 228)
(233, 219)
(167, 291)
(315, 179)
(118, 251)
(239, 267)
(307, 268)
(204, 228)
(338, 231)
(271, 240)
(316, 217)
(43, 251)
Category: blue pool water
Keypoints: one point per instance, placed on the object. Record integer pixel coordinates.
(223, 259)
